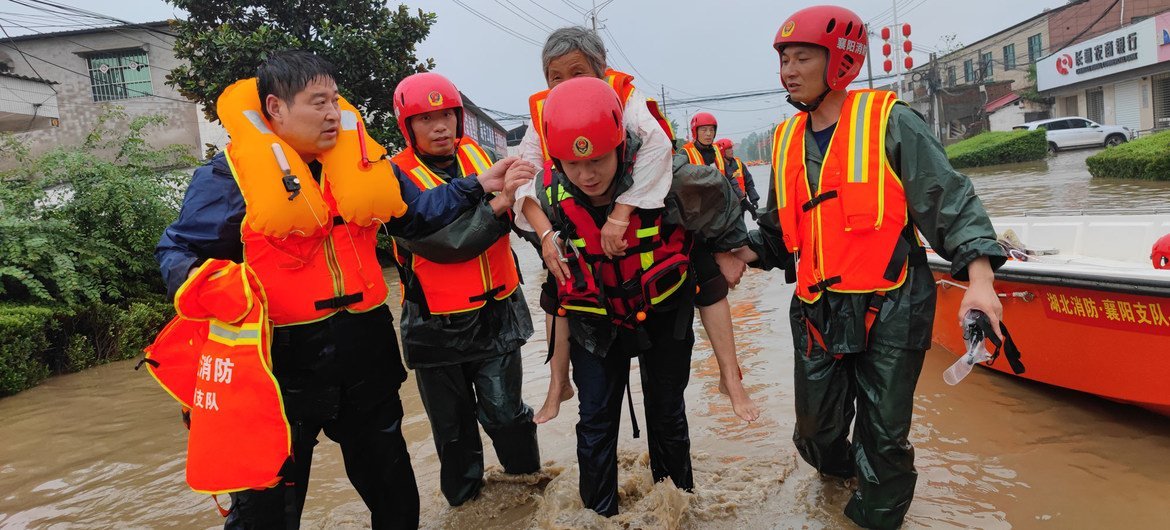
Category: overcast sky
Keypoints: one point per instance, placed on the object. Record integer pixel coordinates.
(693, 48)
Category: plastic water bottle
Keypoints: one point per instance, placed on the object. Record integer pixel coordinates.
(976, 351)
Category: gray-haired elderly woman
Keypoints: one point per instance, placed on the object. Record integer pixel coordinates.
(576, 52)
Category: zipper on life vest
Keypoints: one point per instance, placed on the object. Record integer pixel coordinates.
(334, 269)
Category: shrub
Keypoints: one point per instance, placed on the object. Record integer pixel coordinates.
(1146, 158)
(39, 340)
(999, 147)
(24, 332)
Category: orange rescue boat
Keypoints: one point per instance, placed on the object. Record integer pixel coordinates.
(1083, 301)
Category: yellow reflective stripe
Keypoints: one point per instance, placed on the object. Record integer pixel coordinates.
(478, 158)
(784, 139)
(693, 155)
(594, 310)
(538, 124)
(646, 232)
(579, 242)
(656, 300)
(647, 260)
(229, 335)
(859, 138)
(719, 162)
(428, 177)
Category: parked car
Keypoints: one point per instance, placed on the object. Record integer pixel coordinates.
(1075, 131)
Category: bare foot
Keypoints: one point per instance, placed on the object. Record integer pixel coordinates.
(741, 402)
(557, 394)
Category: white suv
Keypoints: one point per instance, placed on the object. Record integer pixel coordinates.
(1075, 131)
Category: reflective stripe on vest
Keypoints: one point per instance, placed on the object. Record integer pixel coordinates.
(214, 358)
(696, 158)
(738, 175)
(849, 235)
(467, 286)
(311, 278)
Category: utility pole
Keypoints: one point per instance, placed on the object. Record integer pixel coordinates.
(935, 83)
(897, 36)
(869, 66)
(664, 101)
(593, 15)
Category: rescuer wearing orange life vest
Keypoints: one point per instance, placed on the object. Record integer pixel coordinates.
(855, 174)
(739, 175)
(463, 317)
(296, 200)
(637, 304)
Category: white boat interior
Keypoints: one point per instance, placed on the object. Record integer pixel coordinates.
(1102, 248)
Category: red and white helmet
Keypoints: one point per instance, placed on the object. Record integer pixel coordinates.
(701, 119)
(582, 120)
(423, 93)
(836, 29)
(1160, 254)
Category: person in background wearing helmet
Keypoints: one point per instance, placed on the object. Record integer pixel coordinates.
(335, 360)
(854, 175)
(740, 176)
(639, 304)
(577, 52)
(463, 317)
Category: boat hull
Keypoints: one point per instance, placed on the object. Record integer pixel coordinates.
(1113, 342)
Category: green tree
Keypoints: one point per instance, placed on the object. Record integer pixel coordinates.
(78, 224)
(372, 46)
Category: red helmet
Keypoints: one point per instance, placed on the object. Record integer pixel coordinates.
(422, 93)
(1160, 254)
(582, 120)
(724, 144)
(838, 30)
(701, 119)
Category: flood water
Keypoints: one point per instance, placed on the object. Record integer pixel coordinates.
(105, 448)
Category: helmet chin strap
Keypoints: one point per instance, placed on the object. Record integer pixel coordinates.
(809, 107)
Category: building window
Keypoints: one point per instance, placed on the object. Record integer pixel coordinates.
(1095, 104)
(1009, 57)
(119, 75)
(950, 76)
(986, 65)
(968, 71)
(1034, 48)
(1071, 107)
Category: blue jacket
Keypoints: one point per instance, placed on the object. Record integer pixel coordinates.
(208, 226)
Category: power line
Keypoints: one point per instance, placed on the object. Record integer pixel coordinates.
(551, 12)
(574, 6)
(75, 72)
(536, 23)
(501, 27)
(91, 48)
(20, 52)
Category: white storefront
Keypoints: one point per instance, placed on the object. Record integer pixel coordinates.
(1119, 78)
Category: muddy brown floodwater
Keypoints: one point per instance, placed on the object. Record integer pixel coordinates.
(105, 449)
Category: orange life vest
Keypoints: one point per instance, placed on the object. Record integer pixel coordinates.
(281, 196)
(313, 251)
(622, 83)
(696, 158)
(738, 175)
(214, 358)
(849, 237)
(466, 286)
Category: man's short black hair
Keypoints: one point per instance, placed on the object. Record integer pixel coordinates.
(288, 72)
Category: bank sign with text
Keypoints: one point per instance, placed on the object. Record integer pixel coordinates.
(1133, 46)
